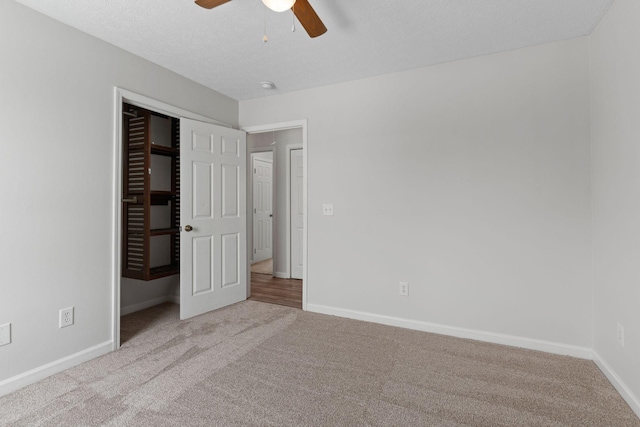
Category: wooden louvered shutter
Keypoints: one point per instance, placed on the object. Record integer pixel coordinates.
(142, 243)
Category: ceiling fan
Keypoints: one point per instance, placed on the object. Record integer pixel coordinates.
(301, 8)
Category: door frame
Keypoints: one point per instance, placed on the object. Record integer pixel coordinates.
(250, 154)
(123, 95)
(288, 204)
(274, 127)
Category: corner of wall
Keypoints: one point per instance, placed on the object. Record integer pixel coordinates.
(627, 394)
(34, 375)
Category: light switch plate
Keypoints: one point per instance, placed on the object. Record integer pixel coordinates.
(5, 334)
(327, 209)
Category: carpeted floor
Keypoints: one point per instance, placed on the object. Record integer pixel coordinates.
(263, 267)
(256, 364)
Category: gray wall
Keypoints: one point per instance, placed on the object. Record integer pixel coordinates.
(57, 174)
(470, 180)
(267, 155)
(615, 115)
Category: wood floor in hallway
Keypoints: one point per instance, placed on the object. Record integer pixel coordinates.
(267, 288)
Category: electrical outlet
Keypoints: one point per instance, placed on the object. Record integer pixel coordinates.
(403, 289)
(5, 334)
(66, 317)
(620, 335)
(327, 209)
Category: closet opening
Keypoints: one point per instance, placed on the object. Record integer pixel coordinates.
(150, 264)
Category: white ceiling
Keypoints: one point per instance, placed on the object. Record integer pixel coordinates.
(222, 48)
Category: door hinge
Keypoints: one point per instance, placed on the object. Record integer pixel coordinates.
(254, 251)
(254, 211)
(254, 170)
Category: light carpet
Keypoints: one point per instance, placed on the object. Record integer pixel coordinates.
(256, 364)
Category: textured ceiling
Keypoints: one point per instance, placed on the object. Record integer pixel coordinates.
(222, 48)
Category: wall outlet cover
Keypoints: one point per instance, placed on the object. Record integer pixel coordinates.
(327, 209)
(403, 289)
(66, 317)
(620, 334)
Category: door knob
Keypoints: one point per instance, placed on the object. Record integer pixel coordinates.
(270, 215)
(188, 228)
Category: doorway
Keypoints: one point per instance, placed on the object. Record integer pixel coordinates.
(285, 284)
(150, 212)
(229, 145)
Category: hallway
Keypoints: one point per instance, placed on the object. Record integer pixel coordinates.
(273, 290)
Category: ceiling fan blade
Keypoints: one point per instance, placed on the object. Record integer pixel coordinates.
(210, 4)
(309, 18)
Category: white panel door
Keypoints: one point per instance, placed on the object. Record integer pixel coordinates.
(262, 209)
(213, 255)
(297, 211)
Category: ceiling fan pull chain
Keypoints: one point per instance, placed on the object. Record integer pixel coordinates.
(265, 38)
(293, 19)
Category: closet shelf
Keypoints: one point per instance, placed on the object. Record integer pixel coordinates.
(157, 197)
(153, 193)
(157, 149)
(164, 151)
(163, 231)
(163, 271)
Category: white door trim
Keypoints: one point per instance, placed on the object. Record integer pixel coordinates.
(283, 126)
(288, 203)
(122, 95)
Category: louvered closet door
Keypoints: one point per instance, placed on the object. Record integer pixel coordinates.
(213, 255)
(135, 246)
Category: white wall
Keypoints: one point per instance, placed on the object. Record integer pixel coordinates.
(266, 155)
(615, 115)
(470, 180)
(56, 177)
(283, 139)
(136, 295)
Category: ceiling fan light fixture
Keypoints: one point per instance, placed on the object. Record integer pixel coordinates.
(268, 85)
(279, 5)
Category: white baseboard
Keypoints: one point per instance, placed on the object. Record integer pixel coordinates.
(495, 338)
(44, 371)
(144, 304)
(174, 299)
(626, 393)
(280, 275)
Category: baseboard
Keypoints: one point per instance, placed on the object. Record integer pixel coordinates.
(42, 372)
(144, 304)
(174, 299)
(280, 275)
(632, 400)
(495, 338)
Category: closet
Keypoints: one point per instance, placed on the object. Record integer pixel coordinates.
(151, 194)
